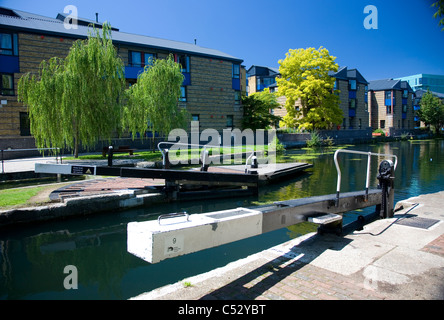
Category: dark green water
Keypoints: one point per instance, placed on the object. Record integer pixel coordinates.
(32, 258)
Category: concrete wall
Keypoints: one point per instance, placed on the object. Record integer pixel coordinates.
(294, 140)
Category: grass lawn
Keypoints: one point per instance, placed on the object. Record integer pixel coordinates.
(13, 197)
(27, 196)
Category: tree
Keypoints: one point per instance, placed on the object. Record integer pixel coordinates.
(257, 108)
(305, 78)
(431, 111)
(153, 101)
(77, 99)
(440, 12)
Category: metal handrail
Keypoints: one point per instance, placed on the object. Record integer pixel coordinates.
(367, 182)
(31, 149)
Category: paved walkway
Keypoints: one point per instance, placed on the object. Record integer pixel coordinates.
(397, 258)
(105, 186)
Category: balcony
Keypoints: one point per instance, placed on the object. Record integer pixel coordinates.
(132, 72)
(9, 64)
(388, 102)
(352, 94)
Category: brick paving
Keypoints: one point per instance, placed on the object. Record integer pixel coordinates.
(104, 186)
(436, 246)
(295, 281)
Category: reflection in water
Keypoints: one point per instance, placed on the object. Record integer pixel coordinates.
(32, 258)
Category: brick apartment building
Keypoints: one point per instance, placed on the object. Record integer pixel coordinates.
(211, 91)
(391, 105)
(353, 97)
(260, 77)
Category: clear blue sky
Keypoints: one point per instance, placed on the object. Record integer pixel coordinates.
(408, 39)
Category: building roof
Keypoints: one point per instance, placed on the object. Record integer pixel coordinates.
(419, 93)
(23, 21)
(346, 74)
(389, 84)
(262, 71)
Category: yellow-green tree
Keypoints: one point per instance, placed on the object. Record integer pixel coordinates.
(309, 89)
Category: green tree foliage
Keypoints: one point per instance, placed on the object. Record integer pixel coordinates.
(439, 5)
(305, 79)
(77, 99)
(153, 101)
(431, 111)
(257, 108)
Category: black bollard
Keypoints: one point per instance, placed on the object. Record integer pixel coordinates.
(110, 156)
(166, 159)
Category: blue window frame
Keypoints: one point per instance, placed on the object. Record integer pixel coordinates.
(352, 84)
(140, 59)
(184, 62)
(236, 71)
(8, 44)
(183, 94)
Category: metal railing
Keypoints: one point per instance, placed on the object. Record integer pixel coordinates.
(367, 182)
(2, 151)
(203, 153)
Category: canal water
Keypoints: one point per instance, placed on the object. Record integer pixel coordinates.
(33, 258)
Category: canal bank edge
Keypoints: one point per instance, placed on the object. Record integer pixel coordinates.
(71, 207)
(388, 259)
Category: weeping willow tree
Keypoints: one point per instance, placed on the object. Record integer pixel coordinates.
(77, 99)
(152, 103)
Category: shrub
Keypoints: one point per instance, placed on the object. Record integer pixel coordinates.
(315, 140)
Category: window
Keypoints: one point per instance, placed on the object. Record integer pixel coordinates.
(195, 117)
(388, 95)
(236, 71)
(8, 44)
(149, 58)
(237, 97)
(382, 124)
(352, 84)
(230, 121)
(25, 127)
(405, 94)
(135, 59)
(352, 103)
(184, 62)
(183, 94)
(140, 59)
(389, 109)
(404, 108)
(7, 84)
